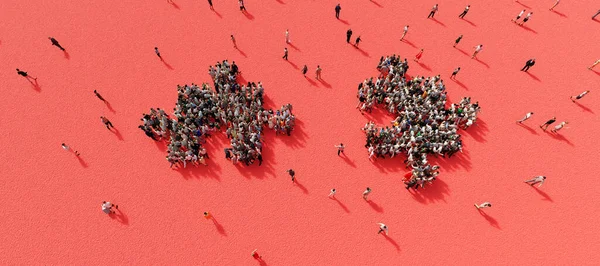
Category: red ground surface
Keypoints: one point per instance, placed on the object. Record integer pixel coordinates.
(51, 201)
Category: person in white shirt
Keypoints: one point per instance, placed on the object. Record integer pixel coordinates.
(332, 193)
(595, 63)
(519, 16)
(107, 207)
(464, 13)
(527, 116)
(538, 179)
(526, 18)
(559, 126)
(580, 95)
(555, 4)
(478, 49)
(287, 36)
(366, 193)
(404, 33)
(483, 205)
(382, 228)
(340, 148)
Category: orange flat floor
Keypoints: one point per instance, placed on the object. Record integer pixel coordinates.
(51, 200)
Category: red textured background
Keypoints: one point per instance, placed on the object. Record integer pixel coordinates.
(51, 201)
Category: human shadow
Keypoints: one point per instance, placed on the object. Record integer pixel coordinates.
(524, 5)
(585, 108)
(67, 55)
(409, 43)
(293, 46)
(219, 227)
(543, 194)
(424, 66)
(596, 72)
(341, 205)
(528, 29)
(117, 133)
(281, 2)
(266, 169)
(292, 64)
(478, 130)
(174, 5)
(483, 63)
(560, 14)
(167, 65)
(431, 193)
(375, 206)
(560, 137)
(327, 85)
(363, 52)
(438, 22)
(468, 21)
(312, 82)
(392, 241)
(460, 84)
(161, 145)
(120, 216)
(531, 130)
(82, 162)
(533, 76)
(297, 137)
(248, 15)
(110, 108)
(493, 222)
(301, 187)
(348, 161)
(462, 51)
(392, 165)
(377, 4)
(217, 13)
(36, 86)
(241, 52)
(344, 21)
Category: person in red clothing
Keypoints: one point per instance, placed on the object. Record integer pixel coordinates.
(418, 56)
(255, 255)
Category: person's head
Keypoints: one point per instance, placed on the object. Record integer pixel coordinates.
(421, 49)
(102, 117)
(489, 205)
(468, 5)
(566, 122)
(49, 38)
(341, 144)
(205, 213)
(18, 69)
(531, 112)
(155, 48)
(458, 68)
(368, 189)
(63, 144)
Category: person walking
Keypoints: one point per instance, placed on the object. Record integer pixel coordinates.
(358, 39)
(528, 64)
(106, 122)
(383, 228)
(67, 148)
(580, 96)
(158, 53)
(255, 255)
(107, 207)
(544, 126)
(418, 56)
(211, 5)
(483, 205)
(338, 8)
(527, 116)
(404, 32)
(24, 74)
(99, 96)
(594, 64)
(559, 126)
(478, 49)
(55, 43)
(526, 18)
(453, 76)
(597, 13)
(340, 148)
(207, 215)
(332, 193)
(519, 16)
(348, 35)
(433, 10)
(555, 4)
(292, 174)
(318, 72)
(287, 36)
(304, 70)
(366, 193)
(457, 40)
(464, 13)
(538, 179)
(242, 6)
(285, 53)
(234, 43)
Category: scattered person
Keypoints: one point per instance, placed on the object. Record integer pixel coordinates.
(538, 179)
(55, 43)
(99, 96)
(292, 174)
(433, 10)
(594, 64)
(207, 215)
(358, 39)
(337, 11)
(519, 16)
(318, 72)
(211, 4)
(348, 35)
(107, 207)
(453, 76)
(544, 126)
(366, 193)
(340, 148)
(304, 70)
(382, 228)
(234, 43)
(457, 40)
(285, 53)
(555, 4)
(67, 148)
(483, 205)
(287, 36)
(24, 74)
(106, 122)
(478, 49)
(526, 18)
(242, 6)
(332, 193)
(528, 64)
(418, 56)
(158, 53)
(559, 126)
(404, 32)
(464, 13)
(255, 255)
(527, 116)
(580, 95)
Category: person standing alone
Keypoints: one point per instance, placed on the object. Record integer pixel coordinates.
(55, 43)
(464, 13)
(348, 35)
(337, 11)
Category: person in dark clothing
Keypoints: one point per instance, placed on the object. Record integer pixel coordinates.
(24, 74)
(597, 13)
(99, 96)
(259, 158)
(464, 13)
(210, 4)
(348, 35)
(457, 40)
(528, 64)
(107, 122)
(285, 53)
(148, 132)
(292, 174)
(157, 53)
(227, 153)
(453, 76)
(55, 43)
(433, 10)
(337, 11)
(548, 123)
(357, 41)
(304, 70)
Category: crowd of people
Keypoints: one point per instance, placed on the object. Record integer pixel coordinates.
(200, 111)
(423, 125)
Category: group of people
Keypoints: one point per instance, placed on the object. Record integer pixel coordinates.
(423, 124)
(200, 111)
